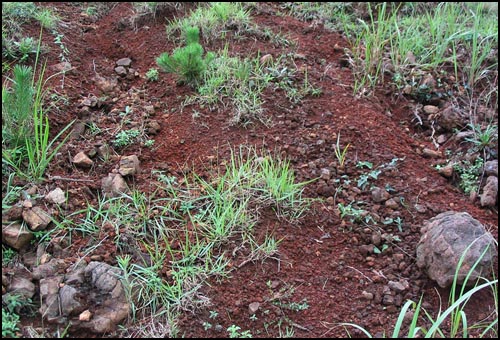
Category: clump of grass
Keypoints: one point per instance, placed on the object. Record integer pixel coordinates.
(214, 19)
(237, 83)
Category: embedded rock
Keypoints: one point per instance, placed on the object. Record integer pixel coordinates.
(129, 165)
(82, 160)
(490, 192)
(56, 196)
(114, 185)
(15, 235)
(491, 168)
(36, 218)
(443, 243)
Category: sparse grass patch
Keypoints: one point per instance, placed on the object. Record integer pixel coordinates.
(214, 19)
(184, 223)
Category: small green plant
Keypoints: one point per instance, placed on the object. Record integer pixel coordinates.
(187, 62)
(483, 138)
(354, 214)
(234, 332)
(152, 74)
(469, 174)
(126, 137)
(26, 46)
(9, 324)
(47, 18)
(215, 19)
(340, 153)
(149, 143)
(8, 255)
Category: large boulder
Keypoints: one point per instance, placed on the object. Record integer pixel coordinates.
(92, 290)
(445, 239)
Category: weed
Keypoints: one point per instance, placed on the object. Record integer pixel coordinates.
(483, 139)
(152, 74)
(469, 174)
(354, 214)
(26, 46)
(126, 137)
(340, 153)
(234, 332)
(149, 143)
(8, 254)
(241, 82)
(214, 19)
(9, 324)
(47, 18)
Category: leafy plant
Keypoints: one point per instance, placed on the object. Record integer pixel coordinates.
(152, 74)
(126, 137)
(483, 138)
(469, 174)
(8, 255)
(187, 62)
(9, 324)
(234, 332)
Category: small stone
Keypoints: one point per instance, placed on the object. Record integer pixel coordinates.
(253, 307)
(380, 195)
(16, 236)
(431, 153)
(366, 295)
(391, 203)
(36, 218)
(82, 160)
(376, 239)
(431, 109)
(325, 174)
(45, 258)
(124, 62)
(396, 286)
(491, 168)
(62, 67)
(388, 300)
(85, 316)
(441, 139)
(446, 171)
(56, 196)
(120, 70)
(129, 165)
(490, 192)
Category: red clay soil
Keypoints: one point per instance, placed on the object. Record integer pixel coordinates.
(322, 260)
